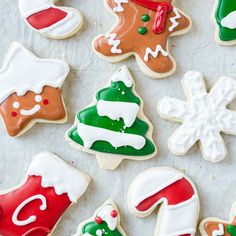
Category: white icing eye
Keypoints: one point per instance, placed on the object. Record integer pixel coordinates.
(16, 105)
(38, 98)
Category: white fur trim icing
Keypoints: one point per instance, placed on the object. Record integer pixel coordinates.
(229, 21)
(115, 43)
(58, 174)
(119, 7)
(124, 76)
(23, 72)
(174, 19)
(158, 50)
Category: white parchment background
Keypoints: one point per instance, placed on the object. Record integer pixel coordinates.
(196, 50)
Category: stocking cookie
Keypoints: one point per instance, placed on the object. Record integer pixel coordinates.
(204, 116)
(218, 227)
(142, 30)
(35, 206)
(104, 222)
(225, 20)
(174, 192)
(50, 20)
(30, 90)
(114, 127)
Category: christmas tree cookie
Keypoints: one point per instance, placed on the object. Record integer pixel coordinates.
(50, 20)
(217, 227)
(30, 90)
(34, 207)
(104, 222)
(225, 18)
(114, 127)
(142, 30)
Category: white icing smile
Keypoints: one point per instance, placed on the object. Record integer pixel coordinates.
(31, 111)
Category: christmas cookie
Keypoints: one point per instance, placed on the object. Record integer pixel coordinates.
(30, 90)
(114, 127)
(204, 116)
(35, 206)
(173, 194)
(218, 227)
(104, 222)
(50, 20)
(142, 30)
(225, 20)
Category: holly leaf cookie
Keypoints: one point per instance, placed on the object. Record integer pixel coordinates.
(225, 20)
(173, 194)
(104, 222)
(204, 116)
(35, 206)
(30, 90)
(114, 127)
(142, 30)
(51, 21)
(217, 227)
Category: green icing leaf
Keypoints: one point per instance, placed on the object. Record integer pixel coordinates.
(231, 230)
(92, 228)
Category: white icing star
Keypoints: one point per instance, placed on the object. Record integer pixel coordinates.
(204, 116)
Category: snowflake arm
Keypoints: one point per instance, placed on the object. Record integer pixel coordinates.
(228, 122)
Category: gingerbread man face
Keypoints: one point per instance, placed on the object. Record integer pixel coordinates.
(31, 93)
(143, 29)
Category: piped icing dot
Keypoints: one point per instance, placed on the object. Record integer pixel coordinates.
(98, 220)
(38, 98)
(45, 101)
(114, 213)
(16, 105)
(145, 18)
(142, 30)
(14, 114)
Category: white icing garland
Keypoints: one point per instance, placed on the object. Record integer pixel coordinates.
(119, 7)
(155, 53)
(173, 20)
(229, 21)
(90, 134)
(115, 110)
(32, 218)
(220, 231)
(112, 41)
(124, 76)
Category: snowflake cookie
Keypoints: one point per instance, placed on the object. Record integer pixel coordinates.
(143, 30)
(204, 116)
(213, 226)
(104, 222)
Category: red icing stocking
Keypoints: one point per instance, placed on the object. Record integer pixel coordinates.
(34, 208)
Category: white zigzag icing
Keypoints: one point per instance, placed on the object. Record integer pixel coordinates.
(119, 7)
(155, 53)
(113, 42)
(173, 20)
(219, 232)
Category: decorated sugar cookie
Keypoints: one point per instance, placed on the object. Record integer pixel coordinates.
(204, 116)
(225, 19)
(104, 222)
(114, 127)
(142, 30)
(173, 194)
(217, 227)
(35, 206)
(30, 90)
(50, 20)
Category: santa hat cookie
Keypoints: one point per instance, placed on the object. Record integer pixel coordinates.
(114, 127)
(104, 222)
(37, 204)
(213, 226)
(179, 209)
(30, 90)
(50, 20)
(143, 30)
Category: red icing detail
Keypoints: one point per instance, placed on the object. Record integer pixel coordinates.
(98, 220)
(46, 220)
(175, 193)
(45, 101)
(46, 18)
(185, 235)
(114, 213)
(14, 114)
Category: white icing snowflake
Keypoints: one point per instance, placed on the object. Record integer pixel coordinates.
(204, 116)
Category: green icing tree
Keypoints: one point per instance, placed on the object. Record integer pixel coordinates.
(231, 230)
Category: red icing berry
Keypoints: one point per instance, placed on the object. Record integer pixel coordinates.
(98, 220)
(114, 213)
(45, 101)
(14, 114)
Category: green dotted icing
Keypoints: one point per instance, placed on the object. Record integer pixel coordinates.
(142, 30)
(145, 18)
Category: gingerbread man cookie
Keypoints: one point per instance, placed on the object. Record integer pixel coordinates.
(114, 127)
(50, 20)
(30, 90)
(35, 206)
(142, 30)
(104, 222)
(173, 194)
(217, 227)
